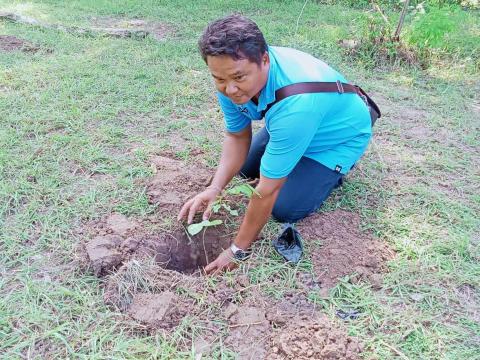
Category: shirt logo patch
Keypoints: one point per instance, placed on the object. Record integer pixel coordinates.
(338, 168)
(243, 110)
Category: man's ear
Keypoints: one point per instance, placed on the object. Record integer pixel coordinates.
(266, 58)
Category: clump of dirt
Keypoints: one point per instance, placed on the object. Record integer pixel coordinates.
(162, 310)
(313, 338)
(344, 249)
(248, 332)
(251, 323)
(10, 43)
(104, 253)
(159, 31)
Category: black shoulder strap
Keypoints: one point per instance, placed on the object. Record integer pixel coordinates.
(319, 87)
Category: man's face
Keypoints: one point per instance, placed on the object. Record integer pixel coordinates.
(240, 80)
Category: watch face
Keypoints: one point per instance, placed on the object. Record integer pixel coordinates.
(241, 255)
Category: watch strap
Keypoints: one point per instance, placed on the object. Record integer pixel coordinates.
(239, 253)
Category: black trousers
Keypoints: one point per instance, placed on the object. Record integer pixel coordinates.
(306, 188)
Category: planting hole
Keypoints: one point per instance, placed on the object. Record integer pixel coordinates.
(187, 254)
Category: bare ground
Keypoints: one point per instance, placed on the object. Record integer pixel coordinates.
(10, 43)
(158, 30)
(343, 249)
(152, 272)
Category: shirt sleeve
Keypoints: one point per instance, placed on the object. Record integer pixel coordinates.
(291, 127)
(235, 121)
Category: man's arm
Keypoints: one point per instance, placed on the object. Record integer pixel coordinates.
(258, 212)
(234, 153)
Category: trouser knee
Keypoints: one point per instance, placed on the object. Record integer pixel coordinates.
(287, 214)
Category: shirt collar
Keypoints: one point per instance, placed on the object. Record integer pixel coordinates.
(267, 94)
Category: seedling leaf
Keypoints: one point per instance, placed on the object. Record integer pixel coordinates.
(213, 222)
(216, 207)
(194, 229)
(230, 210)
(244, 189)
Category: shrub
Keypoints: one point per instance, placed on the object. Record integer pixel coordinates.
(397, 4)
(430, 34)
(446, 31)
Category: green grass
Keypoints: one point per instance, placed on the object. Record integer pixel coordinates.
(79, 123)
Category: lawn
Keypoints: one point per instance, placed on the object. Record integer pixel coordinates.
(86, 118)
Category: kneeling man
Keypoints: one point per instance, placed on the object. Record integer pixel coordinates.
(309, 142)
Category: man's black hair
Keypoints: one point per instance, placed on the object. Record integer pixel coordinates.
(235, 36)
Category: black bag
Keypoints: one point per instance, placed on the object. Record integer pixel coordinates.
(318, 87)
(289, 244)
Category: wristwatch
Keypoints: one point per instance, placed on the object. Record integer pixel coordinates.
(240, 254)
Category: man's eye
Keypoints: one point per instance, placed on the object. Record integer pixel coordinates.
(240, 77)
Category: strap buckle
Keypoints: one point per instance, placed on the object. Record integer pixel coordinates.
(340, 87)
(362, 95)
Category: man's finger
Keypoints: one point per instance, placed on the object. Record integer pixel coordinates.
(218, 271)
(208, 211)
(183, 211)
(193, 209)
(210, 267)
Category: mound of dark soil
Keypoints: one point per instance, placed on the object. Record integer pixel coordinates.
(11, 43)
(344, 249)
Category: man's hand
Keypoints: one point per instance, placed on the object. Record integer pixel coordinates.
(202, 201)
(223, 262)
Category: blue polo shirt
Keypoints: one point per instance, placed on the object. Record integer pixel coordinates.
(331, 128)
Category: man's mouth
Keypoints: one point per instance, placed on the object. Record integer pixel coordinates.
(236, 98)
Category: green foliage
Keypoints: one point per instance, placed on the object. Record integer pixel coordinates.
(218, 205)
(244, 189)
(431, 29)
(362, 4)
(397, 4)
(448, 31)
(376, 46)
(430, 34)
(469, 4)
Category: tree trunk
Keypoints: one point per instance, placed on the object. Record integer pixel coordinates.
(396, 36)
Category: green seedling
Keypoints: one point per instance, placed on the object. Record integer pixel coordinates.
(194, 229)
(217, 206)
(244, 189)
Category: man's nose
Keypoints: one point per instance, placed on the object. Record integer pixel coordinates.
(231, 89)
